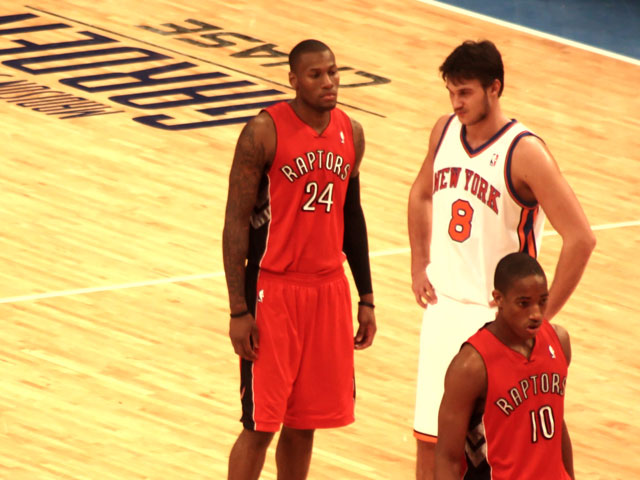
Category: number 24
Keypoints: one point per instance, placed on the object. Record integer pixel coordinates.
(325, 198)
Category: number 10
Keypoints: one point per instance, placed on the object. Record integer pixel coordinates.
(547, 423)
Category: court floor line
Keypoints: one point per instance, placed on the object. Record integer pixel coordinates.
(532, 31)
(202, 276)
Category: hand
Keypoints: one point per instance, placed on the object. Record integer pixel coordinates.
(423, 290)
(366, 328)
(243, 332)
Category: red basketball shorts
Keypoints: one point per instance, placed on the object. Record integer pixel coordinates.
(304, 375)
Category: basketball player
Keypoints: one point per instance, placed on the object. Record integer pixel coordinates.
(293, 208)
(482, 192)
(503, 403)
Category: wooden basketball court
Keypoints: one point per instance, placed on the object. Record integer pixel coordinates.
(118, 125)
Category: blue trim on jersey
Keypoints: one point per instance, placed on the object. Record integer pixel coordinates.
(472, 151)
(508, 170)
(444, 131)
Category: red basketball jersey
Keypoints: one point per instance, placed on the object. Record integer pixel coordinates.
(298, 224)
(519, 433)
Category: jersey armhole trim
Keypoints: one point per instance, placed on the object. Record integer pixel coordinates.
(444, 131)
(507, 172)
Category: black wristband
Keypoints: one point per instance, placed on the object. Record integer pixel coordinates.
(239, 314)
(366, 304)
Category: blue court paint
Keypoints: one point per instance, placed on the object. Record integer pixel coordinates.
(612, 25)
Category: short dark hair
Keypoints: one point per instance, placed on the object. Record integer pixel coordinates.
(514, 266)
(305, 46)
(474, 60)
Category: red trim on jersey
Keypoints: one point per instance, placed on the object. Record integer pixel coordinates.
(526, 233)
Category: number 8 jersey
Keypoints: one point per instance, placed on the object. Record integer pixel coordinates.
(298, 222)
(477, 215)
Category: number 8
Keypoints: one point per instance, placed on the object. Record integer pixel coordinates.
(460, 224)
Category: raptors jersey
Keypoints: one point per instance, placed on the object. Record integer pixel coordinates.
(516, 434)
(477, 216)
(298, 222)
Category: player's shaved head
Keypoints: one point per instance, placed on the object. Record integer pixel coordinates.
(306, 46)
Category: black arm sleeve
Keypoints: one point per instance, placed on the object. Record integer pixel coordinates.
(355, 244)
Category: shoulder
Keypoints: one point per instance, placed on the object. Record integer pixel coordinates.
(440, 125)
(531, 155)
(533, 169)
(258, 139)
(467, 370)
(437, 131)
(530, 143)
(565, 341)
(423, 184)
(356, 127)
(443, 120)
(358, 144)
(263, 122)
(262, 127)
(358, 132)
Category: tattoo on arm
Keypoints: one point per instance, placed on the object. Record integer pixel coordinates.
(246, 171)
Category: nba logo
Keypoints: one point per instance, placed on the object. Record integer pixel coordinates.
(341, 137)
(494, 159)
(552, 352)
(261, 295)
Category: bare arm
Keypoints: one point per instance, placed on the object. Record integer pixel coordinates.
(565, 341)
(567, 450)
(465, 383)
(358, 144)
(254, 151)
(537, 177)
(357, 249)
(419, 217)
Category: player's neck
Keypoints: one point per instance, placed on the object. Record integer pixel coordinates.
(523, 346)
(316, 119)
(481, 132)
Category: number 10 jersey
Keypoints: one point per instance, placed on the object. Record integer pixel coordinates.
(477, 216)
(516, 433)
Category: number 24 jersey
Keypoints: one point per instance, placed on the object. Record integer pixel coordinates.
(298, 222)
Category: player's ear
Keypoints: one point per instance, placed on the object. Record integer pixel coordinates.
(497, 297)
(494, 88)
(293, 80)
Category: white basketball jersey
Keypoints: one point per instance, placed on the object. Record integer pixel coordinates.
(477, 216)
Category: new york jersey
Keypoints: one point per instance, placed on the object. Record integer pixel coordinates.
(517, 433)
(298, 222)
(477, 216)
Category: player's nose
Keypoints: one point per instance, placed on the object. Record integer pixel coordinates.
(536, 312)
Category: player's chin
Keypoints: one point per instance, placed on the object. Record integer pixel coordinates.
(327, 107)
(466, 120)
(327, 103)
